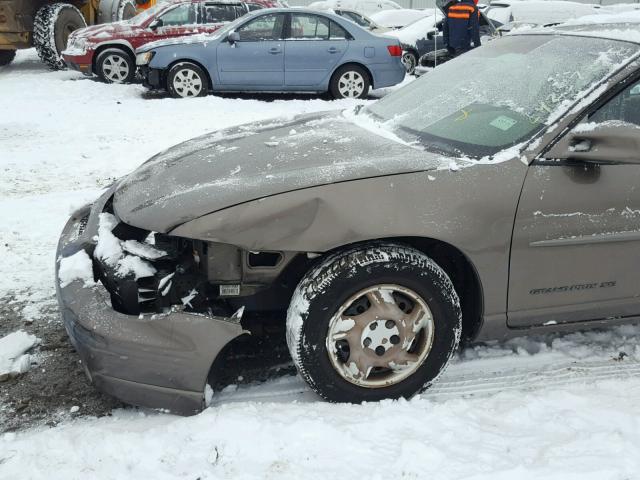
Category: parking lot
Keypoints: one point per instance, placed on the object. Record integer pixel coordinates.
(556, 405)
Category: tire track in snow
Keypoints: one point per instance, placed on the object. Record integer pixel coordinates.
(460, 380)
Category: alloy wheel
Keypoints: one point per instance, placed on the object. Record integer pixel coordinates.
(187, 83)
(409, 62)
(380, 336)
(115, 68)
(351, 84)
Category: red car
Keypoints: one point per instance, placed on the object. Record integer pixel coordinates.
(108, 50)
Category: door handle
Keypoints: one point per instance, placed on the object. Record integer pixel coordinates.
(332, 50)
(275, 50)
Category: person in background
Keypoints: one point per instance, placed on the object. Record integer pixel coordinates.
(461, 27)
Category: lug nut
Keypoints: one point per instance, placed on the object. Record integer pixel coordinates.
(367, 342)
(380, 351)
(390, 324)
(395, 339)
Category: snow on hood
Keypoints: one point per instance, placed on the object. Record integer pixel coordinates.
(417, 30)
(230, 167)
(106, 31)
(399, 18)
(618, 25)
(189, 39)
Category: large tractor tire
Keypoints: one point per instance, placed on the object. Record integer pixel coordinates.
(51, 29)
(110, 11)
(6, 57)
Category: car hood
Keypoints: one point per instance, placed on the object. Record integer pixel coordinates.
(251, 162)
(108, 31)
(201, 38)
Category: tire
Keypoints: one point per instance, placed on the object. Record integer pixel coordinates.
(350, 81)
(51, 29)
(186, 80)
(378, 269)
(409, 60)
(6, 57)
(114, 65)
(126, 10)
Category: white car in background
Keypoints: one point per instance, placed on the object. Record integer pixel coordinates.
(399, 18)
(365, 7)
(357, 18)
(531, 13)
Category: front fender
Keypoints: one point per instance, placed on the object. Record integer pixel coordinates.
(472, 209)
(196, 52)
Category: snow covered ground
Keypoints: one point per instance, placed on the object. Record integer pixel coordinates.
(550, 407)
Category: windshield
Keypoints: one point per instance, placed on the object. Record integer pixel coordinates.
(142, 17)
(500, 95)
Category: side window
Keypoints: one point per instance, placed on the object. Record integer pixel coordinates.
(624, 107)
(184, 14)
(309, 27)
(266, 27)
(219, 12)
(336, 32)
(254, 6)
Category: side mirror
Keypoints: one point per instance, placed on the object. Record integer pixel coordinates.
(233, 37)
(604, 143)
(156, 24)
(432, 34)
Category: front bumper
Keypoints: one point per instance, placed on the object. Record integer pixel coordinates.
(156, 361)
(80, 63)
(151, 77)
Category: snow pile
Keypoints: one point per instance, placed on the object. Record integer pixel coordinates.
(111, 250)
(76, 267)
(13, 357)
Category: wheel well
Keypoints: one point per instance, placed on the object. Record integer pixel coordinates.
(410, 49)
(195, 62)
(358, 65)
(462, 273)
(102, 48)
(459, 269)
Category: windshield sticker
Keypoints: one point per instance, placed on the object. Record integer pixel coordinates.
(503, 123)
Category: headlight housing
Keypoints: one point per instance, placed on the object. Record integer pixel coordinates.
(144, 58)
(76, 45)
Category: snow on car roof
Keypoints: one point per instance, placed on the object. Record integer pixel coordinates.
(616, 26)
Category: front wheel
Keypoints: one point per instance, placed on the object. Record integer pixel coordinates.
(115, 66)
(186, 80)
(349, 81)
(373, 322)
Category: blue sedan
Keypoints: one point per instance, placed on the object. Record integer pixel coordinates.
(275, 50)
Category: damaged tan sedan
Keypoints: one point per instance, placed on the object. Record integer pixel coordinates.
(455, 208)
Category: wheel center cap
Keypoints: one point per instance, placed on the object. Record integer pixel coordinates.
(380, 336)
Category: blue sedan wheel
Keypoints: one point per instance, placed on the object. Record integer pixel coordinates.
(350, 81)
(187, 80)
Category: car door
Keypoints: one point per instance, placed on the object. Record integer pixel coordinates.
(576, 240)
(215, 14)
(314, 46)
(257, 58)
(176, 22)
